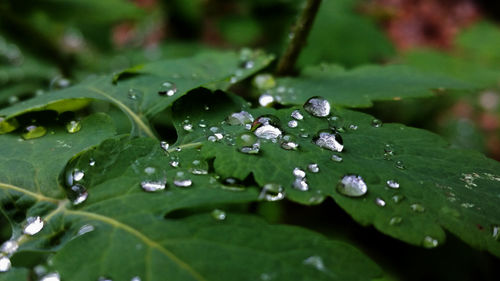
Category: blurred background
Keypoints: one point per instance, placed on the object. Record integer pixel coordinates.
(50, 44)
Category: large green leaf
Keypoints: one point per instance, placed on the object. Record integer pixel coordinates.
(171, 234)
(136, 91)
(440, 188)
(361, 86)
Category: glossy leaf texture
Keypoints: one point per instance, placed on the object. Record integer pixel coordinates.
(417, 186)
(144, 91)
(361, 86)
(175, 232)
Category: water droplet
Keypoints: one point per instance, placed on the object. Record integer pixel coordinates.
(376, 123)
(9, 247)
(300, 184)
(164, 145)
(180, 180)
(297, 115)
(266, 100)
(174, 163)
(199, 168)
(264, 81)
(13, 100)
(248, 143)
(293, 124)
(395, 220)
(91, 162)
(336, 158)
(267, 127)
(352, 186)
(316, 262)
(239, 118)
(272, 192)
(152, 186)
(219, 215)
(397, 198)
(329, 139)
(379, 202)
(289, 145)
(313, 168)
(212, 138)
(392, 184)
(78, 194)
(33, 225)
(73, 127)
(496, 232)
(5, 264)
(85, 229)
(298, 173)
(51, 277)
(400, 165)
(135, 94)
(188, 127)
(417, 208)
(249, 64)
(59, 82)
(317, 106)
(167, 89)
(135, 278)
(353, 127)
(430, 242)
(33, 132)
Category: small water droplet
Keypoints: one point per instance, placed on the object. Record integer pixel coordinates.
(352, 186)
(174, 163)
(329, 139)
(392, 184)
(317, 106)
(212, 138)
(400, 165)
(376, 123)
(59, 82)
(85, 229)
(219, 215)
(33, 132)
(300, 184)
(397, 198)
(496, 232)
(180, 180)
(313, 168)
(199, 168)
(379, 202)
(289, 145)
(266, 100)
(135, 278)
(264, 81)
(5, 264)
(91, 162)
(167, 89)
(430, 242)
(336, 158)
(316, 262)
(9, 247)
(135, 94)
(73, 127)
(164, 145)
(293, 123)
(353, 127)
(188, 127)
(239, 118)
(78, 194)
(297, 115)
(51, 277)
(417, 208)
(272, 192)
(152, 186)
(395, 220)
(298, 173)
(33, 225)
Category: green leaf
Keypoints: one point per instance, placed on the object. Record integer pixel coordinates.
(361, 86)
(440, 188)
(136, 90)
(172, 233)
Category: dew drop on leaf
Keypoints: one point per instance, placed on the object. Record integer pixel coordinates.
(330, 140)
(73, 127)
(317, 106)
(264, 81)
(152, 186)
(174, 163)
(298, 173)
(33, 225)
(297, 115)
(336, 158)
(51, 277)
(266, 100)
(300, 184)
(400, 165)
(313, 168)
(397, 198)
(164, 145)
(188, 127)
(379, 202)
(85, 229)
(417, 208)
(353, 127)
(218, 214)
(167, 89)
(288, 143)
(272, 192)
(135, 94)
(78, 194)
(395, 220)
(91, 162)
(392, 184)
(376, 123)
(33, 132)
(430, 242)
(316, 262)
(267, 127)
(238, 118)
(180, 180)
(9, 247)
(293, 123)
(5, 264)
(136, 278)
(199, 168)
(496, 232)
(352, 186)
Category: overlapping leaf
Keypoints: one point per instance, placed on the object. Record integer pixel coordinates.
(440, 188)
(138, 95)
(361, 86)
(171, 233)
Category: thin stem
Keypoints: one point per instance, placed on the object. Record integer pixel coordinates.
(299, 38)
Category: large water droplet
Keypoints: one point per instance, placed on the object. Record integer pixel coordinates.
(33, 132)
(78, 194)
(33, 225)
(298, 173)
(167, 89)
(329, 139)
(297, 115)
(219, 215)
(266, 128)
(392, 184)
(352, 186)
(9, 247)
(239, 118)
(430, 242)
(74, 176)
(272, 192)
(313, 168)
(73, 126)
(152, 186)
(5, 264)
(317, 106)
